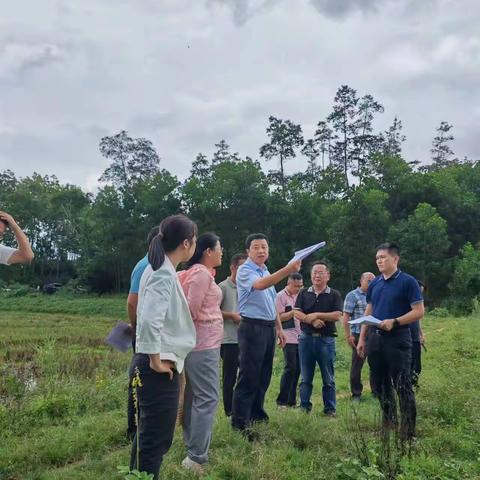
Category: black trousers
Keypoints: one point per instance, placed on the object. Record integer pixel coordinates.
(131, 427)
(356, 385)
(390, 358)
(158, 401)
(256, 343)
(291, 373)
(229, 354)
(416, 361)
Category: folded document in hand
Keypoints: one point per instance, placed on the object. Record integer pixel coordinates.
(368, 320)
(120, 337)
(305, 252)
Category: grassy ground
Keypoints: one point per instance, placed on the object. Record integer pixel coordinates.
(63, 396)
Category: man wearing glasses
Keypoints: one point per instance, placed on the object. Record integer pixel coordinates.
(318, 308)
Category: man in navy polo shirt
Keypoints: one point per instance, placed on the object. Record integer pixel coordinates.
(395, 298)
(256, 333)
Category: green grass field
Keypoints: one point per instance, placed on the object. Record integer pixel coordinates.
(63, 398)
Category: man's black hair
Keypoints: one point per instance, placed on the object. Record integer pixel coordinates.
(392, 248)
(235, 260)
(295, 276)
(254, 236)
(321, 262)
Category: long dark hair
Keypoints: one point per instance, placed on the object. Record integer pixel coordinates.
(172, 231)
(204, 241)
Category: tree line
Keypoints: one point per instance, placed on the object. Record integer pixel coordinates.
(356, 192)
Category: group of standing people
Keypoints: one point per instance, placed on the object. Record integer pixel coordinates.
(185, 322)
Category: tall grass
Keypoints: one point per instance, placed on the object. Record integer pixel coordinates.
(63, 409)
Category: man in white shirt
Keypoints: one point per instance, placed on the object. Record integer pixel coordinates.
(8, 255)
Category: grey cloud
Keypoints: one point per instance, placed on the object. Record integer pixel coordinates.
(151, 122)
(21, 57)
(244, 10)
(342, 8)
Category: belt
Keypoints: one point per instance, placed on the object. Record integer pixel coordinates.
(259, 321)
(395, 332)
(317, 334)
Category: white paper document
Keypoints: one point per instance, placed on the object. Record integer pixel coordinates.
(305, 252)
(368, 320)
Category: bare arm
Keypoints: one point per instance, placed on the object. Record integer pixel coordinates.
(300, 315)
(24, 253)
(416, 313)
(323, 316)
(285, 316)
(364, 329)
(132, 302)
(329, 316)
(280, 332)
(278, 276)
(345, 319)
(363, 333)
(231, 316)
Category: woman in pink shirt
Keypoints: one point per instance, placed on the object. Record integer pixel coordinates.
(202, 363)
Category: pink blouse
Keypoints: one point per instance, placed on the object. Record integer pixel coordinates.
(204, 297)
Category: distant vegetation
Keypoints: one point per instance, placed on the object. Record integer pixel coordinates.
(357, 191)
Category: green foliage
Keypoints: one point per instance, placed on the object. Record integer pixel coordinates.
(356, 191)
(424, 247)
(134, 474)
(465, 284)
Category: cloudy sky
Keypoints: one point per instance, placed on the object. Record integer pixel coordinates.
(187, 76)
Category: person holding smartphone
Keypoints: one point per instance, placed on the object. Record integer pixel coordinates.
(284, 303)
(9, 255)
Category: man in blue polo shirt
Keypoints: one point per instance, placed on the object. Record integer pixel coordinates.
(256, 333)
(395, 298)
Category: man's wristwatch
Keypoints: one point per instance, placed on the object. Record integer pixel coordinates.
(396, 323)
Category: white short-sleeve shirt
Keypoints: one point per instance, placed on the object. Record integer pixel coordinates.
(5, 254)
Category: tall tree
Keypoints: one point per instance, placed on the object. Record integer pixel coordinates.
(310, 150)
(442, 153)
(200, 167)
(285, 137)
(223, 154)
(393, 139)
(366, 142)
(323, 139)
(343, 121)
(132, 159)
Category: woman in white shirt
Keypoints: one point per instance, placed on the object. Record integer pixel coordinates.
(165, 335)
